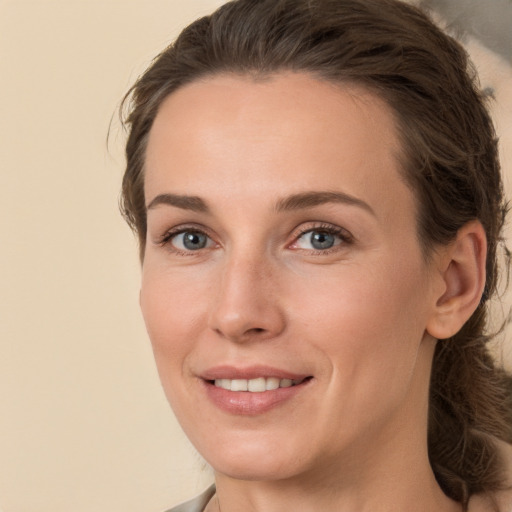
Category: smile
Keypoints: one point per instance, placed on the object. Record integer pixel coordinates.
(257, 385)
(255, 394)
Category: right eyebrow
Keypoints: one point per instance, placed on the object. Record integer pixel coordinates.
(192, 203)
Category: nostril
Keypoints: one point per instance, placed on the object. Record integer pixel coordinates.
(255, 330)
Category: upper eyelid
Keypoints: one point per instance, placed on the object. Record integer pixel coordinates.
(183, 228)
(321, 226)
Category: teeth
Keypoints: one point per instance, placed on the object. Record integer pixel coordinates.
(238, 385)
(285, 383)
(254, 385)
(272, 383)
(223, 383)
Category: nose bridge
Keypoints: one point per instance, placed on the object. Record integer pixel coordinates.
(246, 302)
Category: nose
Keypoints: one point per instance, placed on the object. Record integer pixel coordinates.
(247, 302)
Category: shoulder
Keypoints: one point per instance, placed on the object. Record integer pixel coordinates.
(197, 504)
(501, 501)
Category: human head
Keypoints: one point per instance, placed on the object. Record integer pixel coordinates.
(449, 153)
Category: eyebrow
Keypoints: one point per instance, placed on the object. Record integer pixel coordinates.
(300, 201)
(192, 203)
(305, 200)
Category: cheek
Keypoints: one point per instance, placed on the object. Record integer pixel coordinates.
(368, 320)
(173, 311)
(368, 328)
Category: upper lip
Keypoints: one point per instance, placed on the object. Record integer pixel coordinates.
(249, 372)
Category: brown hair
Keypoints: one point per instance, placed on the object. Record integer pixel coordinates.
(450, 160)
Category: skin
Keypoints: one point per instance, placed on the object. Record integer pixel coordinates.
(361, 319)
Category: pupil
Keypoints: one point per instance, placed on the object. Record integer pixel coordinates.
(194, 241)
(322, 240)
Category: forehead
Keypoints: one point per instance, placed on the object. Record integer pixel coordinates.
(287, 100)
(290, 130)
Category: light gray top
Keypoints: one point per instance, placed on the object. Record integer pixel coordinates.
(198, 504)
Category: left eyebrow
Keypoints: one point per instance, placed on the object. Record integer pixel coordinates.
(311, 199)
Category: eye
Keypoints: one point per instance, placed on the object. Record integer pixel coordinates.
(190, 240)
(322, 239)
(318, 240)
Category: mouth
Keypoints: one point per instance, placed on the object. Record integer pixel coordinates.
(256, 385)
(253, 391)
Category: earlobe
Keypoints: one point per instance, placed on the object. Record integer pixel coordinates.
(462, 270)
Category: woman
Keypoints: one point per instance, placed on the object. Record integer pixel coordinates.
(316, 191)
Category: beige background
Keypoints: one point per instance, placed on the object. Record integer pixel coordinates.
(84, 425)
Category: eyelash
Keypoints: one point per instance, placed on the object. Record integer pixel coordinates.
(344, 236)
(165, 240)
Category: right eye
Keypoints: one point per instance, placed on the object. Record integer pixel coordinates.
(189, 240)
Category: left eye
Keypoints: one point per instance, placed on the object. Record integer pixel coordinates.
(318, 240)
(190, 241)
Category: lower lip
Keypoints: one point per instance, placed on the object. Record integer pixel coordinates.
(246, 403)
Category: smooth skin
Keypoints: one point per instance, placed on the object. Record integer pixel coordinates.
(332, 284)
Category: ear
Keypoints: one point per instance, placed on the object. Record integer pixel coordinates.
(462, 272)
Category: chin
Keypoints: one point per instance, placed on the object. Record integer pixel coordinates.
(254, 461)
(254, 470)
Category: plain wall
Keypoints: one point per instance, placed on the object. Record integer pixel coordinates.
(84, 425)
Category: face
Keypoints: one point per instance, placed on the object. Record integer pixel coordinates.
(284, 289)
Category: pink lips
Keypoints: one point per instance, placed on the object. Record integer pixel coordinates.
(246, 402)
